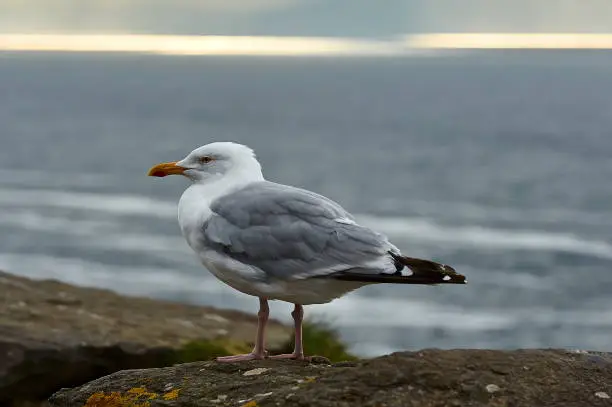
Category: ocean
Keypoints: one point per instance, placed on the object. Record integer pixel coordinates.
(497, 163)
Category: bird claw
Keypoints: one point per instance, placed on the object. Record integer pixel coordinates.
(293, 356)
(242, 358)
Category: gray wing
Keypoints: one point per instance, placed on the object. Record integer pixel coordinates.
(291, 233)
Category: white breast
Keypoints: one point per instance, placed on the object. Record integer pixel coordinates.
(193, 210)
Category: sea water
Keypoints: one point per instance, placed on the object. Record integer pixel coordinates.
(499, 164)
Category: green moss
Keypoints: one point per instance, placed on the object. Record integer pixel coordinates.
(321, 340)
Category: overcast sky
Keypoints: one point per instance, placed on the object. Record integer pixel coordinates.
(350, 18)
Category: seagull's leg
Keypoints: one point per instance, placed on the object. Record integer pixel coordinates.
(298, 317)
(259, 351)
(298, 351)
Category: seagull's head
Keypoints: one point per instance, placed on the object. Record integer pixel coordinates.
(213, 161)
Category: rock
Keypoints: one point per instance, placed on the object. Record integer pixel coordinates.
(55, 335)
(492, 388)
(256, 371)
(427, 378)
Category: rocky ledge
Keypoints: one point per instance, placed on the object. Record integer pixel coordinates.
(530, 378)
(55, 335)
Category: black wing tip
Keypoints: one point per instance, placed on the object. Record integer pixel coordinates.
(450, 275)
(454, 278)
(423, 272)
(395, 279)
(428, 271)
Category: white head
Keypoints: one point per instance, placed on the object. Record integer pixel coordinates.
(212, 162)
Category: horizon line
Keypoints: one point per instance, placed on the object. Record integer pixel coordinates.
(297, 46)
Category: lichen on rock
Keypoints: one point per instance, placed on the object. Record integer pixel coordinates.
(428, 378)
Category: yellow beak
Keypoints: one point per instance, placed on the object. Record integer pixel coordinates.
(163, 169)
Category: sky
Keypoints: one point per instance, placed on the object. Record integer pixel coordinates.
(323, 18)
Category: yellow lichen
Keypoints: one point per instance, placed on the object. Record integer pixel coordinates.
(135, 397)
(310, 379)
(171, 395)
(142, 392)
(251, 403)
(114, 399)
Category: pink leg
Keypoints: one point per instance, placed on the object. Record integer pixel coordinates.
(298, 351)
(259, 351)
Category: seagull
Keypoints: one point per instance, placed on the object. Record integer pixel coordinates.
(279, 242)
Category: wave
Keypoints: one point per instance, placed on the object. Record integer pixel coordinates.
(101, 231)
(481, 213)
(424, 230)
(112, 203)
(366, 311)
(127, 280)
(32, 221)
(104, 235)
(45, 179)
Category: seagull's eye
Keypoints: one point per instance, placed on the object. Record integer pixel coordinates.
(205, 160)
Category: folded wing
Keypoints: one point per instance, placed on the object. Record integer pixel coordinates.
(291, 233)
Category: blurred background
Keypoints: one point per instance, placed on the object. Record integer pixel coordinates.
(476, 133)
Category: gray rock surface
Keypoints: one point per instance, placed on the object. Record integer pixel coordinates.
(522, 378)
